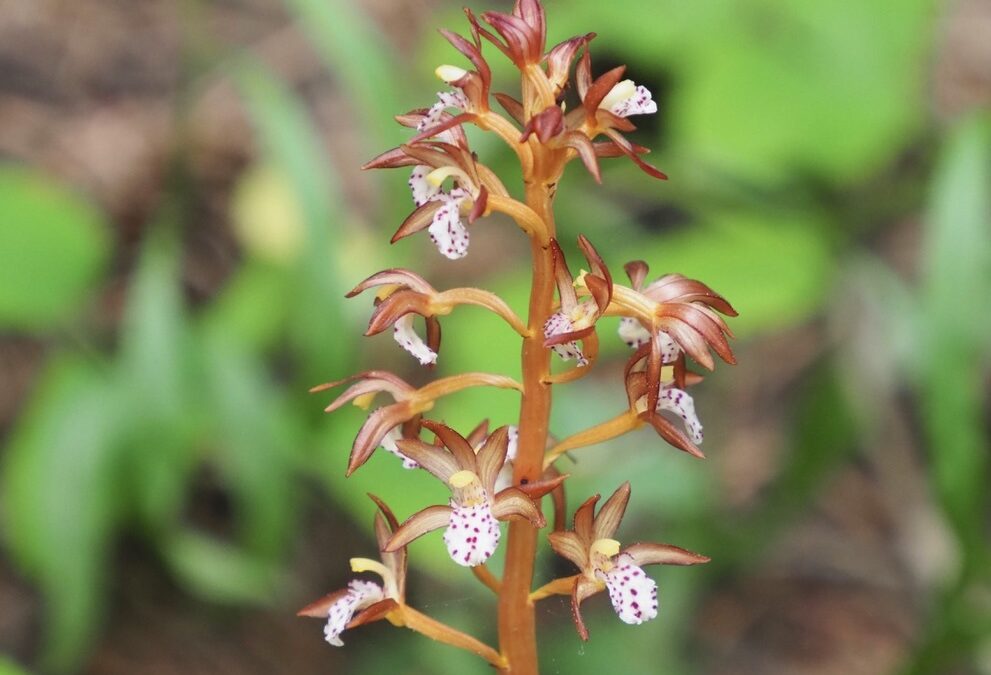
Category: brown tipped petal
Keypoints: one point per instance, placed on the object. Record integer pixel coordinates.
(511, 106)
(390, 159)
(547, 124)
(602, 86)
(319, 608)
(371, 381)
(584, 588)
(692, 342)
(373, 431)
(569, 545)
(464, 454)
(663, 554)
(455, 121)
(478, 434)
(420, 219)
(471, 52)
(492, 456)
(456, 383)
(586, 151)
(374, 612)
(395, 561)
(395, 276)
(585, 518)
(601, 291)
(562, 276)
(672, 434)
(539, 488)
(560, 57)
(435, 460)
(562, 338)
(630, 152)
(479, 205)
(705, 324)
(396, 306)
(655, 362)
(611, 513)
(513, 502)
(637, 271)
(420, 523)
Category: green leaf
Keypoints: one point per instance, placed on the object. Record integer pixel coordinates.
(957, 334)
(218, 571)
(292, 147)
(53, 247)
(8, 667)
(354, 50)
(61, 498)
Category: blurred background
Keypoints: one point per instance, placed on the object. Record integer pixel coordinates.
(181, 212)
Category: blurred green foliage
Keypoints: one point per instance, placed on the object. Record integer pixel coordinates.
(774, 114)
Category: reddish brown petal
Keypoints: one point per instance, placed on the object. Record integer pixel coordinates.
(547, 124)
(630, 152)
(655, 362)
(691, 341)
(584, 519)
(463, 453)
(319, 608)
(492, 456)
(390, 159)
(611, 513)
(511, 106)
(434, 459)
(472, 53)
(420, 523)
(478, 434)
(562, 275)
(373, 431)
(374, 612)
(395, 276)
(601, 291)
(479, 205)
(560, 57)
(420, 219)
(662, 554)
(539, 488)
(584, 588)
(443, 126)
(637, 271)
(433, 335)
(586, 151)
(513, 502)
(610, 149)
(569, 545)
(671, 434)
(395, 561)
(371, 381)
(583, 74)
(569, 337)
(396, 306)
(602, 86)
(701, 322)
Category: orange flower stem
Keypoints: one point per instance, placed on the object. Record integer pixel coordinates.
(483, 574)
(435, 630)
(517, 630)
(561, 586)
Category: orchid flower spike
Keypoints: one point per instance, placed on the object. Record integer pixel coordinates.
(604, 565)
(365, 601)
(471, 532)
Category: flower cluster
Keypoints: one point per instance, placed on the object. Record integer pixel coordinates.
(672, 324)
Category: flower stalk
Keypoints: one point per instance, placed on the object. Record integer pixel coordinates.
(503, 474)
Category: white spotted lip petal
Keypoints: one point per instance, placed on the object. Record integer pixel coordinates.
(472, 535)
(632, 592)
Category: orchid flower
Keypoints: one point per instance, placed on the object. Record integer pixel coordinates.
(368, 600)
(472, 532)
(404, 294)
(604, 565)
(404, 414)
(672, 398)
(575, 320)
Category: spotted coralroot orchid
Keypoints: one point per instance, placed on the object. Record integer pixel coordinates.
(496, 479)
(471, 533)
(606, 566)
(365, 601)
